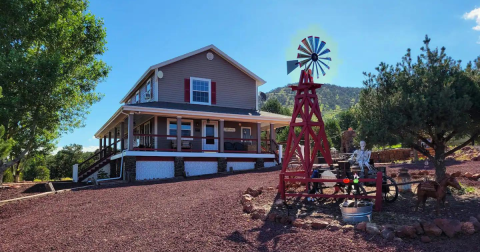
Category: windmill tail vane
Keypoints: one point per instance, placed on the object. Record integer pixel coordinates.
(308, 56)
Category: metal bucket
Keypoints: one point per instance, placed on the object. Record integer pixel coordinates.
(357, 214)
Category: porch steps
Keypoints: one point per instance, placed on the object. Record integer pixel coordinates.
(93, 168)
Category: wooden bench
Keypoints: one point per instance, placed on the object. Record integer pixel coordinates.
(185, 144)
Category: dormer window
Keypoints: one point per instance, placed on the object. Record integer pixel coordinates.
(137, 96)
(200, 90)
(149, 87)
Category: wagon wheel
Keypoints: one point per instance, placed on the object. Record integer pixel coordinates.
(389, 190)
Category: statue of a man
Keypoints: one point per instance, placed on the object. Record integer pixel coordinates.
(361, 157)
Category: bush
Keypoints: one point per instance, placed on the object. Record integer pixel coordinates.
(8, 176)
(34, 173)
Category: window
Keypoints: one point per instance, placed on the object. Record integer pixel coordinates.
(146, 130)
(137, 96)
(200, 91)
(129, 101)
(149, 89)
(186, 128)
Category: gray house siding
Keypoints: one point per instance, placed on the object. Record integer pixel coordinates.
(234, 88)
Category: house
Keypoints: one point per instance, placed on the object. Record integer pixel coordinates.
(192, 115)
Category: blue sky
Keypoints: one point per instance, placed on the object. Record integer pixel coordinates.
(262, 35)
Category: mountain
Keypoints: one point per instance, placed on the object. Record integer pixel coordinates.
(332, 98)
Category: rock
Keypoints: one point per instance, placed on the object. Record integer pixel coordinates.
(270, 188)
(248, 208)
(425, 239)
(475, 222)
(388, 226)
(406, 231)
(468, 175)
(334, 227)
(258, 215)
(431, 229)
(468, 228)
(457, 174)
(348, 227)
(372, 229)
(449, 227)
(253, 192)
(418, 228)
(319, 224)
(298, 223)
(15, 186)
(279, 203)
(475, 176)
(388, 234)
(246, 198)
(397, 239)
(362, 226)
(272, 217)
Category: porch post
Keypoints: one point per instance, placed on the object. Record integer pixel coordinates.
(115, 132)
(221, 135)
(122, 136)
(104, 145)
(179, 133)
(100, 147)
(155, 128)
(130, 131)
(272, 137)
(109, 139)
(259, 138)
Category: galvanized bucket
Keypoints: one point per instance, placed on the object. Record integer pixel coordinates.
(357, 214)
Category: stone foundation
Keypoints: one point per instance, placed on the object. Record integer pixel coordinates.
(222, 164)
(260, 163)
(130, 168)
(179, 167)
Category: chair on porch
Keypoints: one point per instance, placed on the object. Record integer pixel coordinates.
(228, 146)
(239, 146)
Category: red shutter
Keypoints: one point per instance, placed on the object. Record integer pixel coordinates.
(214, 92)
(187, 90)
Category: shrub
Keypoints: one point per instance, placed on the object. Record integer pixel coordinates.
(37, 173)
(8, 176)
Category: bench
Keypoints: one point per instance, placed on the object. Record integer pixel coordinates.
(185, 144)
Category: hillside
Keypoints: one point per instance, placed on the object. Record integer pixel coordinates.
(332, 98)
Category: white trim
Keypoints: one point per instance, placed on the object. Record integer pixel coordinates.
(191, 154)
(169, 120)
(259, 80)
(209, 91)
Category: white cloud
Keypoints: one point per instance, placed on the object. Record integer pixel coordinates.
(473, 15)
(91, 148)
(92, 138)
(56, 150)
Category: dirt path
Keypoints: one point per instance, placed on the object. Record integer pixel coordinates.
(184, 215)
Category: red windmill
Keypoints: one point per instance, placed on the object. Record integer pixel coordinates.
(306, 116)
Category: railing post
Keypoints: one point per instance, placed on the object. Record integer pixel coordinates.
(122, 136)
(179, 134)
(75, 173)
(272, 137)
(105, 146)
(259, 138)
(115, 132)
(378, 195)
(222, 136)
(130, 131)
(109, 141)
(100, 149)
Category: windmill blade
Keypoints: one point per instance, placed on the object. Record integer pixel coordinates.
(291, 65)
(323, 72)
(324, 64)
(303, 62)
(301, 55)
(327, 58)
(308, 67)
(304, 41)
(313, 69)
(301, 48)
(317, 43)
(312, 45)
(321, 47)
(324, 52)
(316, 63)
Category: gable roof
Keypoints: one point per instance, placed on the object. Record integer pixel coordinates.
(257, 79)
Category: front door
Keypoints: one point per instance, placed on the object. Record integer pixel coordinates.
(209, 129)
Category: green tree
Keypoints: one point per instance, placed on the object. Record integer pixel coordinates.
(49, 69)
(272, 105)
(347, 119)
(60, 165)
(333, 132)
(432, 100)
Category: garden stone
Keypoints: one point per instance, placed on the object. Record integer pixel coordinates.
(362, 226)
(468, 228)
(431, 229)
(388, 234)
(248, 208)
(372, 229)
(406, 231)
(319, 224)
(425, 239)
(475, 223)
(246, 198)
(298, 223)
(418, 228)
(449, 227)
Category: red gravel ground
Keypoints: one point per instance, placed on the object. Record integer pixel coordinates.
(27, 189)
(179, 215)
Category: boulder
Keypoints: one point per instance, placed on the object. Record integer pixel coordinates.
(418, 228)
(457, 174)
(467, 175)
(372, 229)
(362, 226)
(298, 223)
(406, 231)
(425, 239)
(475, 222)
(468, 228)
(246, 198)
(316, 224)
(431, 229)
(449, 227)
(388, 234)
